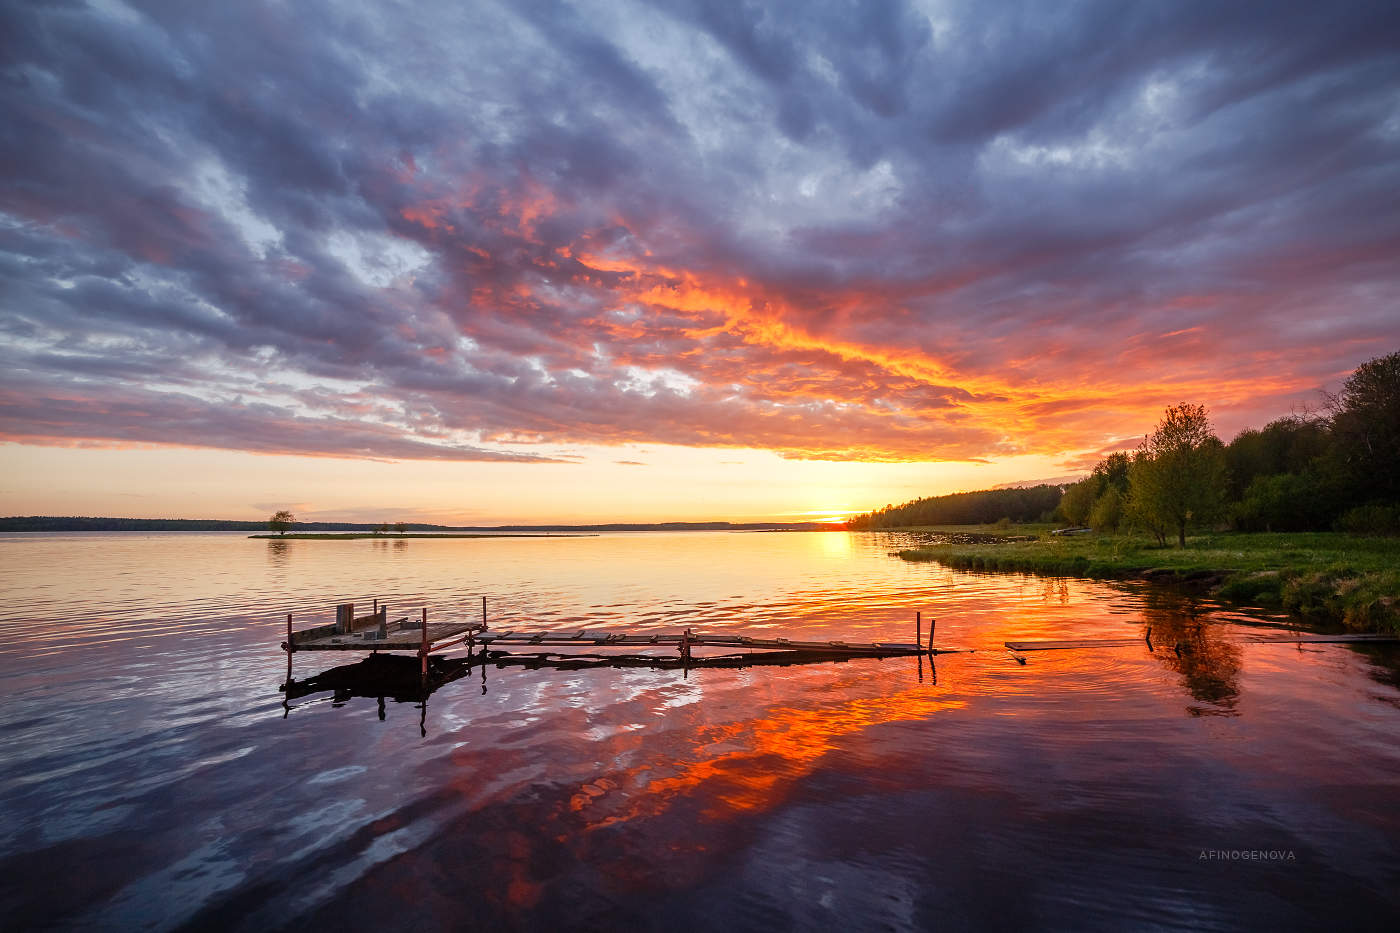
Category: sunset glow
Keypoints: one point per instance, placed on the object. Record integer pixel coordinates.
(624, 262)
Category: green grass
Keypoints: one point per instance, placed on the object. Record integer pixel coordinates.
(1325, 576)
(355, 535)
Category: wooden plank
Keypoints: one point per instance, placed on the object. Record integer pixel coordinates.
(1080, 643)
(310, 634)
(407, 639)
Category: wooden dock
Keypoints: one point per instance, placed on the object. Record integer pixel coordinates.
(375, 632)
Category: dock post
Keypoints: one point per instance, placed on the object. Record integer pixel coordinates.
(344, 618)
(483, 613)
(290, 648)
(423, 647)
(931, 623)
(918, 628)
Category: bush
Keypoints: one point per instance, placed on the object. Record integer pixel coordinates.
(1373, 519)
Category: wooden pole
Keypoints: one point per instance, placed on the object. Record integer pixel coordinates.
(290, 647)
(918, 628)
(931, 623)
(423, 646)
(483, 613)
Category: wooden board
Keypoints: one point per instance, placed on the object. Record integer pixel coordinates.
(401, 639)
(1082, 643)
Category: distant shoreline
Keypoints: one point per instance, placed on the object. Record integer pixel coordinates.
(394, 536)
(39, 523)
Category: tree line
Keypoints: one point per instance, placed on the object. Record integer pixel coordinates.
(985, 506)
(1337, 468)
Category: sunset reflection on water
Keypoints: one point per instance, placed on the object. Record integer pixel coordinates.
(902, 793)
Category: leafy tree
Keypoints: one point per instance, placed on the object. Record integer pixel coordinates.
(1286, 502)
(1287, 445)
(382, 529)
(1366, 429)
(1113, 471)
(281, 521)
(1138, 510)
(400, 527)
(1107, 513)
(1177, 478)
(1079, 501)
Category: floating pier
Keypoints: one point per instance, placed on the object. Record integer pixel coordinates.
(375, 632)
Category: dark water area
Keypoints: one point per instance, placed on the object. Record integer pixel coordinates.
(151, 776)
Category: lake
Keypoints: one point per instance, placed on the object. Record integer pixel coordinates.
(154, 779)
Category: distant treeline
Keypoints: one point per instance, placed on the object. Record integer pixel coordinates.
(1029, 504)
(60, 523)
(74, 523)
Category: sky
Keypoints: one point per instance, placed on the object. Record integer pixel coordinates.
(537, 261)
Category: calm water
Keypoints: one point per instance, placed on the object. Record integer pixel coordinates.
(153, 779)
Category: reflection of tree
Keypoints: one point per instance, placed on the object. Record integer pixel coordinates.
(1054, 589)
(1192, 646)
(278, 552)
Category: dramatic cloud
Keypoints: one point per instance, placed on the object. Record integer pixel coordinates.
(835, 230)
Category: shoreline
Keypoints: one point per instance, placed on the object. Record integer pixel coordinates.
(1325, 577)
(392, 536)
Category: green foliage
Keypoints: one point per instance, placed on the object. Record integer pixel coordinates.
(1366, 430)
(281, 521)
(1177, 479)
(1107, 513)
(1284, 502)
(1288, 445)
(1373, 519)
(1079, 501)
(1077, 507)
(1112, 472)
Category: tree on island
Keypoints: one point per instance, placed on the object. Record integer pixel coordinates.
(400, 527)
(281, 521)
(1177, 477)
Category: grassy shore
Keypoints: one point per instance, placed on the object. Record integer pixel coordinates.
(1327, 577)
(357, 535)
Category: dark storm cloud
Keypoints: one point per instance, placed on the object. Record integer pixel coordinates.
(851, 230)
